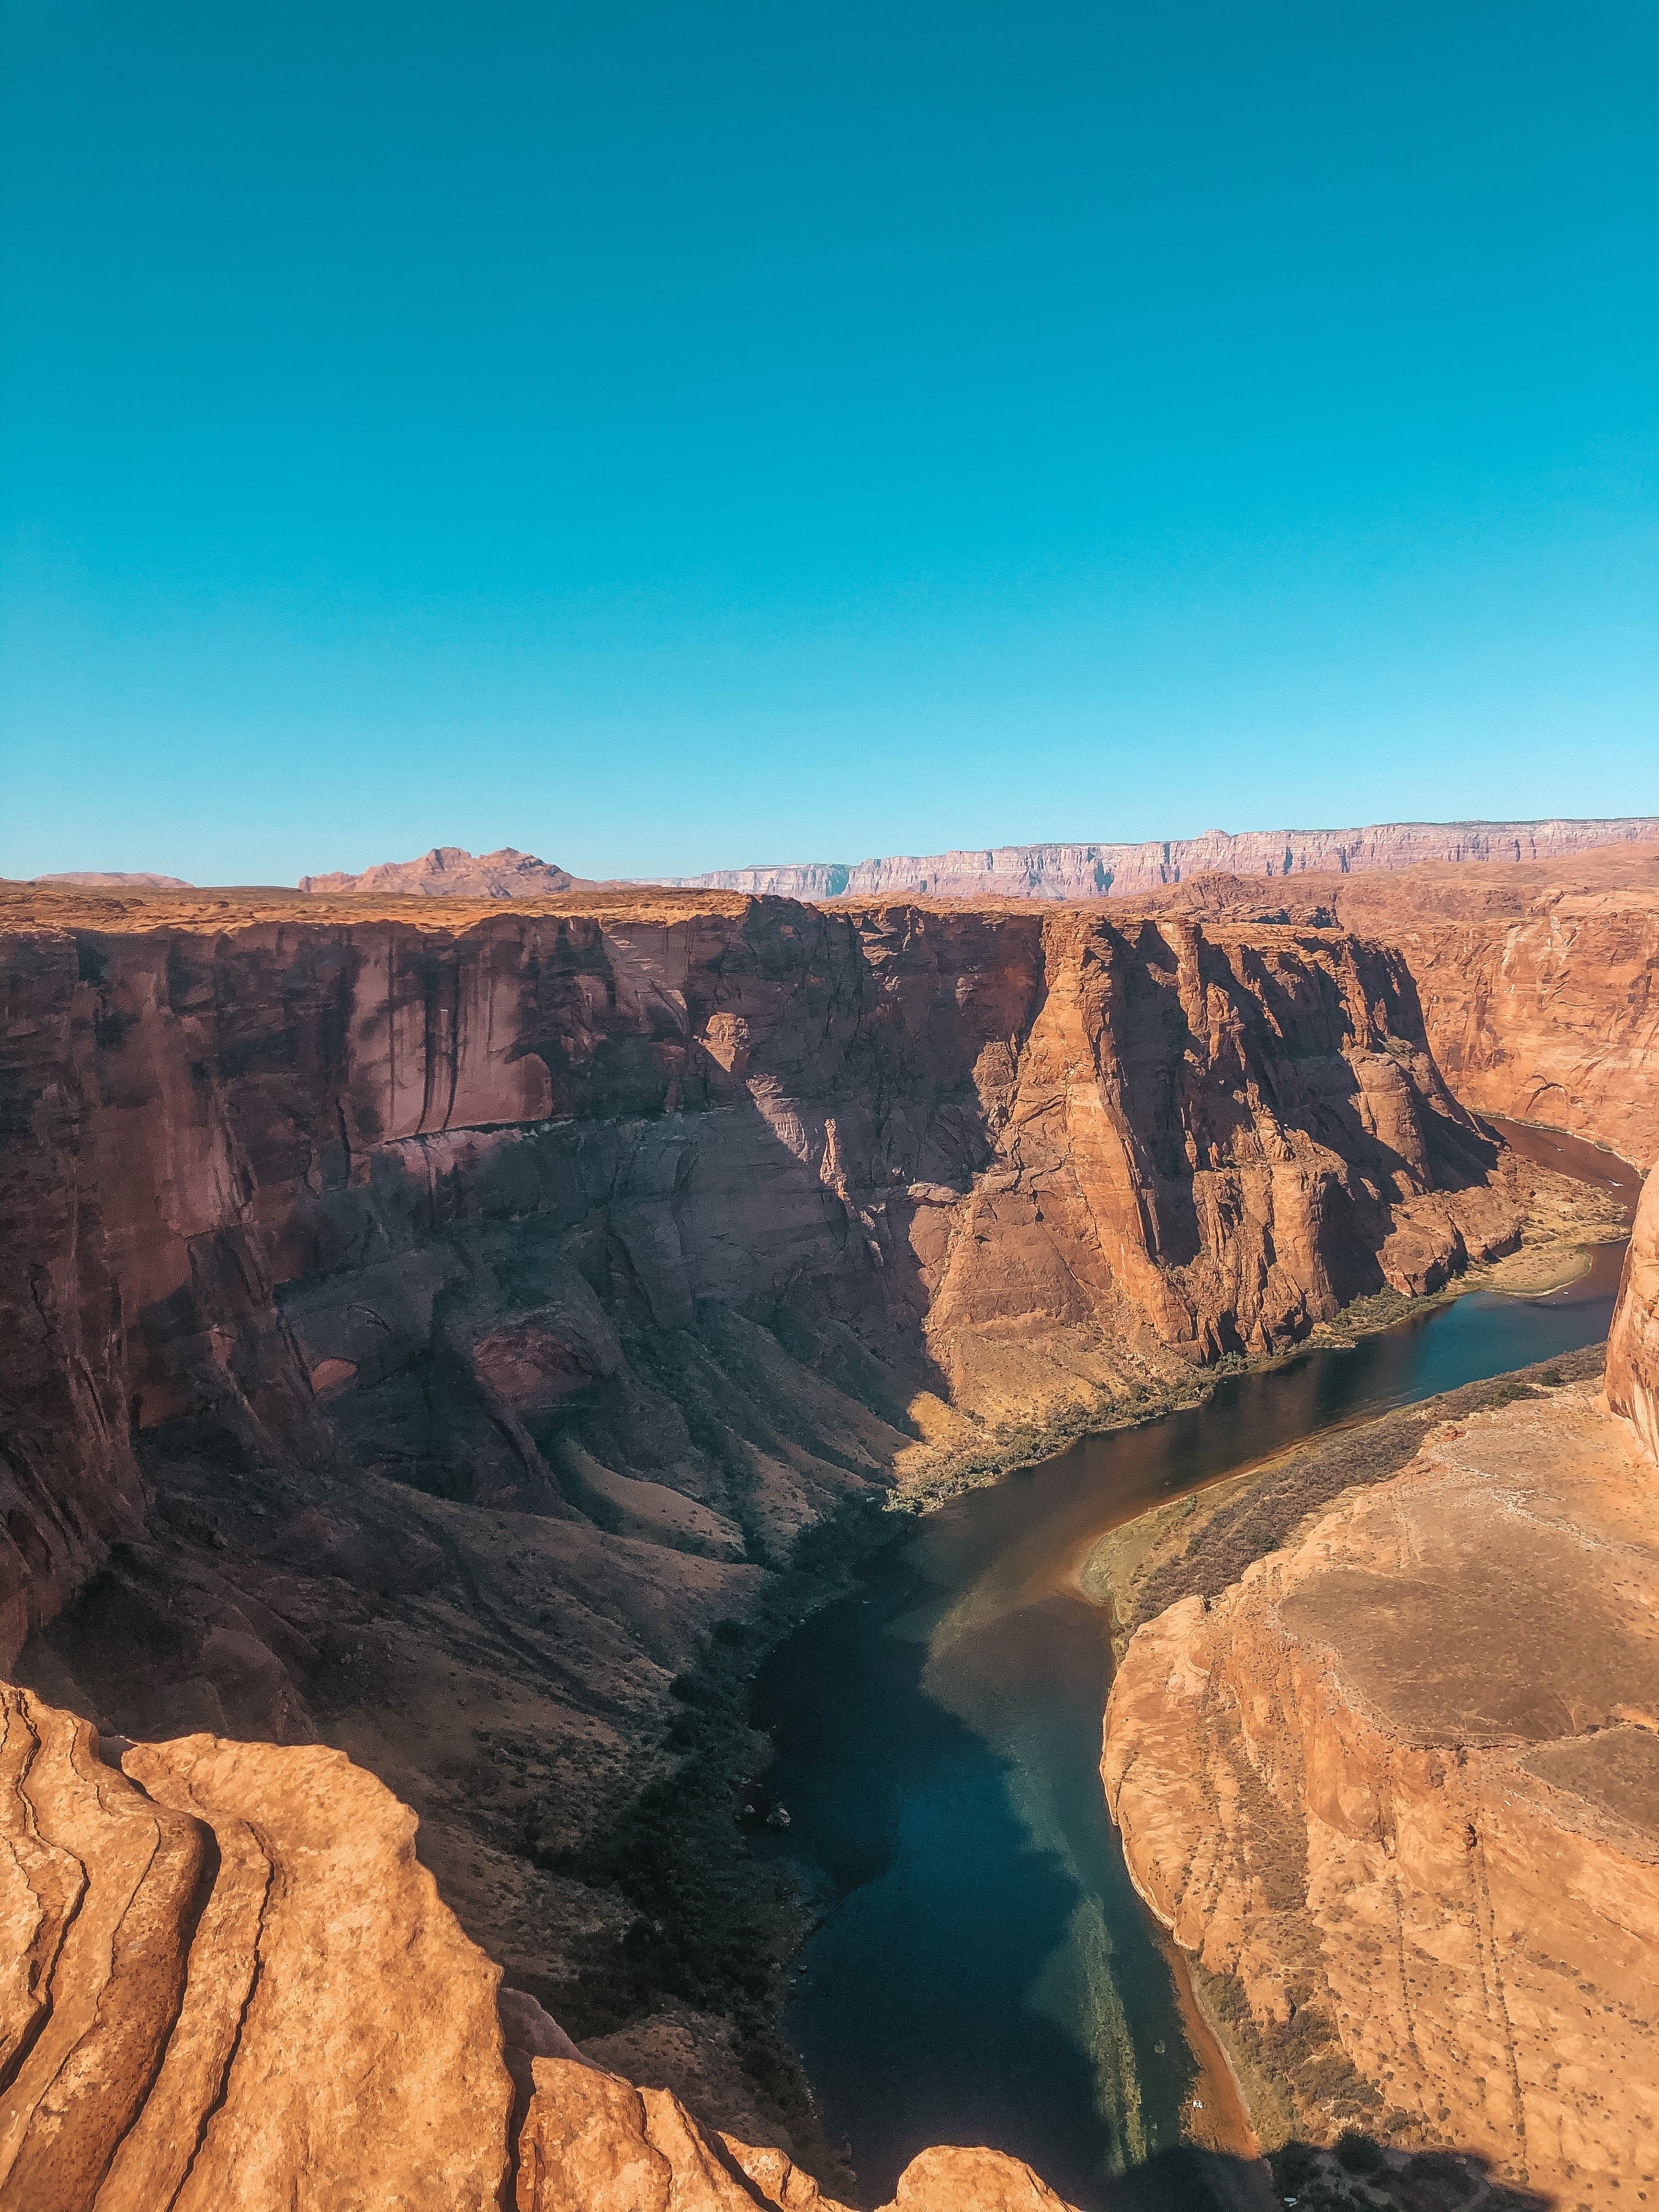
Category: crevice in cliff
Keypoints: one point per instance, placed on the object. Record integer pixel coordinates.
(216, 2102)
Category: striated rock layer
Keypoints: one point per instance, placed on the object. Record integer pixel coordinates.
(1399, 1787)
(230, 1984)
(1539, 984)
(233, 1984)
(1089, 871)
(451, 1199)
(1633, 1380)
(432, 1324)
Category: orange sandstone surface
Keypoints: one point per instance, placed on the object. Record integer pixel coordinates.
(1399, 1788)
(1633, 1340)
(225, 1979)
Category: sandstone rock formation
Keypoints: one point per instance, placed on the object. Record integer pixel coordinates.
(1089, 871)
(224, 1979)
(1539, 984)
(231, 1985)
(426, 1321)
(1633, 1380)
(438, 1198)
(450, 871)
(140, 881)
(593, 2143)
(1399, 1788)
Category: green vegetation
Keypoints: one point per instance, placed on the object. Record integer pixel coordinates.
(1357, 2153)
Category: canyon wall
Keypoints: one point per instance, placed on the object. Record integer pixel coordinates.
(1537, 983)
(413, 1195)
(1632, 1378)
(1397, 1789)
(1089, 871)
(435, 1330)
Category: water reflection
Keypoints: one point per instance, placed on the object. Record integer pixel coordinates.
(985, 1972)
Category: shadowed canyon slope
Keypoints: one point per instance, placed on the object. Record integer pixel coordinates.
(1399, 1787)
(425, 1324)
(224, 1979)
(455, 1199)
(1089, 871)
(429, 1322)
(1537, 983)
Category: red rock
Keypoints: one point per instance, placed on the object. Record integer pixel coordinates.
(593, 2143)
(1537, 983)
(96, 1894)
(1089, 871)
(449, 871)
(1399, 1784)
(953, 2179)
(238, 1987)
(1633, 1380)
(1034, 1156)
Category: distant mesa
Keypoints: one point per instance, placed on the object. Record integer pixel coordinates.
(1091, 871)
(112, 880)
(450, 871)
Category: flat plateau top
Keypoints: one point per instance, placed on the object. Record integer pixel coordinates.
(1365, 904)
(127, 911)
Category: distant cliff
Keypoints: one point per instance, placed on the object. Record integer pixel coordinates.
(451, 872)
(1088, 872)
(1539, 983)
(107, 879)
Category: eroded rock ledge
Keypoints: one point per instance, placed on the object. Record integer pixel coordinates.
(1399, 1788)
(1537, 983)
(224, 1979)
(512, 1207)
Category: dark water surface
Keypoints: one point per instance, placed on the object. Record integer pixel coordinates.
(984, 1973)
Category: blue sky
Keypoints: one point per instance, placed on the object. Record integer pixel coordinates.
(667, 437)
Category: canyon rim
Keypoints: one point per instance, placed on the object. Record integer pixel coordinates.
(440, 1327)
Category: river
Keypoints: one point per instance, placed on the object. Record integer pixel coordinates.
(983, 1971)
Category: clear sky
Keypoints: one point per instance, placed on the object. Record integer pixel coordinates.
(663, 436)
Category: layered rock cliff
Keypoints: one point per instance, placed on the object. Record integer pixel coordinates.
(429, 1324)
(1090, 872)
(1537, 983)
(1398, 1789)
(432, 1197)
(1633, 1377)
(225, 1979)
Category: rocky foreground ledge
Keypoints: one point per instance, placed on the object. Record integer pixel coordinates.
(1397, 1790)
(226, 1979)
